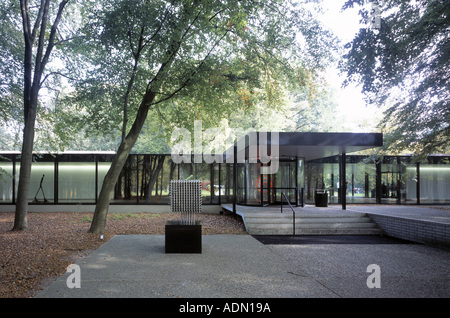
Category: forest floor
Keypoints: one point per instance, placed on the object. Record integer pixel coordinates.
(31, 260)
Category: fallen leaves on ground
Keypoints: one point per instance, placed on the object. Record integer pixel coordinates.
(30, 260)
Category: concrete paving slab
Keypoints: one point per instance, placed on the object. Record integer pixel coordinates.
(406, 270)
(230, 266)
(239, 266)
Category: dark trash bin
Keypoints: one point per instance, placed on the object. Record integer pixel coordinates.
(321, 198)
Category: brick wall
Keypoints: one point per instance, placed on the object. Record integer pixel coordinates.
(420, 231)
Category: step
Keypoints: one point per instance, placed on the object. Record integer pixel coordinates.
(314, 225)
(305, 214)
(308, 220)
(315, 229)
(280, 231)
(285, 231)
(310, 224)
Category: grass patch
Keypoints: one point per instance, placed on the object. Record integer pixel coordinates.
(86, 219)
(122, 216)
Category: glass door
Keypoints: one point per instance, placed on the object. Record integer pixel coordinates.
(390, 183)
(285, 181)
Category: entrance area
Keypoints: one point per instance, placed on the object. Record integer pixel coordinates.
(302, 168)
(256, 189)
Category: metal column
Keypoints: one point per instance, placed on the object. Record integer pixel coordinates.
(343, 186)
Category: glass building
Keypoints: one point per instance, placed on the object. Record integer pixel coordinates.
(305, 162)
(389, 180)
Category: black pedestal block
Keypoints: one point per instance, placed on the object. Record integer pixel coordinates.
(181, 238)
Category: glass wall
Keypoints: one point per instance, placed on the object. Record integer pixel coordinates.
(255, 188)
(361, 180)
(203, 173)
(222, 183)
(285, 181)
(42, 183)
(42, 179)
(322, 175)
(103, 165)
(125, 190)
(152, 185)
(6, 179)
(301, 179)
(409, 184)
(391, 176)
(77, 179)
(240, 184)
(226, 183)
(256, 185)
(145, 179)
(393, 180)
(399, 180)
(434, 183)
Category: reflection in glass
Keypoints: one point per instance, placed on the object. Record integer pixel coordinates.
(434, 183)
(226, 183)
(6, 182)
(361, 182)
(76, 182)
(41, 182)
(144, 181)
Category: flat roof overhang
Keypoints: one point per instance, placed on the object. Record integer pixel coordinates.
(311, 145)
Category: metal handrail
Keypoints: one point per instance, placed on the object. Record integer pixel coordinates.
(296, 196)
(293, 211)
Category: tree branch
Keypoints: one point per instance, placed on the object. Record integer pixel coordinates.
(38, 19)
(39, 66)
(173, 50)
(169, 96)
(26, 21)
(57, 73)
(65, 40)
(51, 40)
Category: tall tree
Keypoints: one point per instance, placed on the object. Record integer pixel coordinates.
(39, 41)
(40, 37)
(183, 60)
(402, 62)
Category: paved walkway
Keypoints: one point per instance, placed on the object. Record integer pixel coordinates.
(241, 266)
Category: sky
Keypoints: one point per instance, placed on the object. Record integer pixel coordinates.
(359, 117)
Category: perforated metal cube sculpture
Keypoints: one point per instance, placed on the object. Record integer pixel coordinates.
(185, 235)
(186, 198)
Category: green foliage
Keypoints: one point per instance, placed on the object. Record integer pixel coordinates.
(12, 72)
(404, 65)
(11, 57)
(234, 58)
(318, 114)
(238, 60)
(86, 219)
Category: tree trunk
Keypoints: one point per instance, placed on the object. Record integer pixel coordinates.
(21, 220)
(101, 209)
(154, 172)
